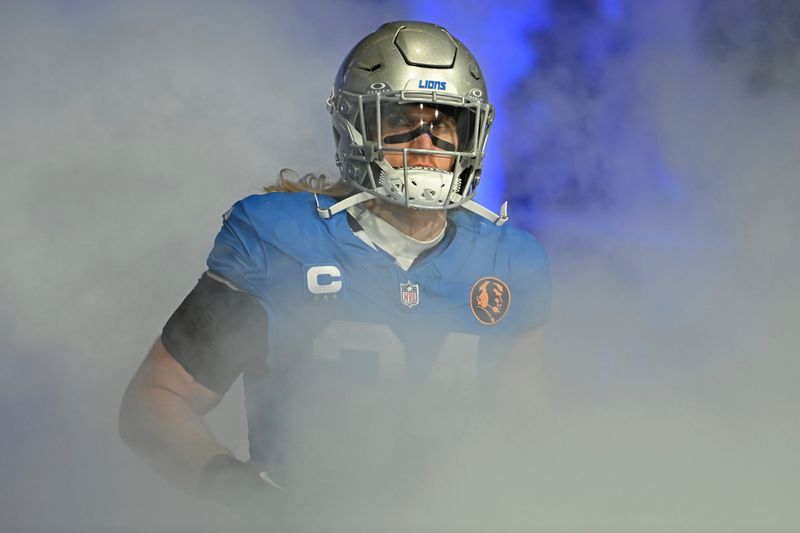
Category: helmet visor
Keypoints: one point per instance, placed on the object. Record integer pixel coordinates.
(399, 125)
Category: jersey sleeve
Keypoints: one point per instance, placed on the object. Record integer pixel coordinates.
(220, 328)
(238, 254)
(216, 333)
(534, 293)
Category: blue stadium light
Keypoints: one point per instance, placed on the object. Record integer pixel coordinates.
(497, 33)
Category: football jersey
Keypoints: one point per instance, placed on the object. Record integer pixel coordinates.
(371, 366)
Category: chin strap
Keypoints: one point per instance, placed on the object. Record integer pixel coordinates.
(491, 216)
(338, 207)
(469, 205)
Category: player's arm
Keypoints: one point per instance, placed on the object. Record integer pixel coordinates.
(215, 334)
(519, 388)
(160, 419)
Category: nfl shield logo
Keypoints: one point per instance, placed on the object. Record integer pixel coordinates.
(409, 294)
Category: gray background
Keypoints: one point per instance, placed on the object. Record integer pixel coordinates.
(664, 184)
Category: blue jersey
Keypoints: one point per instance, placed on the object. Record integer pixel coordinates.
(366, 360)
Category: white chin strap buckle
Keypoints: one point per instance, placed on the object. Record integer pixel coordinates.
(338, 207)
(491, 216)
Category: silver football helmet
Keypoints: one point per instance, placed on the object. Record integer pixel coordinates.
(411, 119)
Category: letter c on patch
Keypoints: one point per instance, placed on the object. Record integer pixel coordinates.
(324, 279)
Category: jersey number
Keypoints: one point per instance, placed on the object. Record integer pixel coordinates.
(455, 365)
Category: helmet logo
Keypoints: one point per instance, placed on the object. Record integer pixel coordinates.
(436, 85)
(489, 300)
(415, 84)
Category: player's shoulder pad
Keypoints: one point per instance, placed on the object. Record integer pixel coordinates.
(528, 249)
(529, 268)
(510, 243)
(274, 214)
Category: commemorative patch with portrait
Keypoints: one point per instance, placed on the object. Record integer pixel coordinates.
(489, 300)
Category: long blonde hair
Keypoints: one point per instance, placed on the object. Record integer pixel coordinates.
(290, 181)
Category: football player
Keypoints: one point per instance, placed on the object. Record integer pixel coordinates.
(367, 319)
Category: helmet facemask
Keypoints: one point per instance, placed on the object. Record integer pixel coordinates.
(419, 149)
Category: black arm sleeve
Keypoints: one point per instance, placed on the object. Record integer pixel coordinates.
(216, 333)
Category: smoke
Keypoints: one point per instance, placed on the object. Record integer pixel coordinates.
(671, 347)
(125, 132)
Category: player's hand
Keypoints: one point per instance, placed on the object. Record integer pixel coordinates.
(236, 484)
